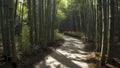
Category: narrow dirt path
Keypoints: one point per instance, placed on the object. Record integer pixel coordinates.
(71, 55)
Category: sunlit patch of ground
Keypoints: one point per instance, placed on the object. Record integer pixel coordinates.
(70, 55)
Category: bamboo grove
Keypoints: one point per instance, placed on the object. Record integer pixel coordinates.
(40, 20)
(95, 21)
(30, 25)
(41, 17)
(7, 29)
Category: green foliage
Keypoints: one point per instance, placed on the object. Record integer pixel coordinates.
(25, 33)
(62, 4)
(27, 48)
(58, 36)
(19, 10)
(61, 7)
(60, 15)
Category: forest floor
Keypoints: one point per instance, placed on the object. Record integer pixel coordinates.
(72, 54)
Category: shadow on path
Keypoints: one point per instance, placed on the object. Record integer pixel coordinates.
(43, 65)
(65, 61)
(73, 54)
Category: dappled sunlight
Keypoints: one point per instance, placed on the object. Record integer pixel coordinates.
(82, 64)
(79, 45)
(70, 55)
(50, 62)
(59, 33)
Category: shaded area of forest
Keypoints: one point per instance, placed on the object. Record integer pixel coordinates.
(97, 22)
(28, 27)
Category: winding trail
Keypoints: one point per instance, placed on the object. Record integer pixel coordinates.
(71, 55)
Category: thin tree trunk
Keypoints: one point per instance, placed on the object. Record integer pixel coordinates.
(30, 21)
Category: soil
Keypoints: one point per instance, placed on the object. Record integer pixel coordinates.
(72, 54)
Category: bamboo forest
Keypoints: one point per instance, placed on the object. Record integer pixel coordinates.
(59, 33)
